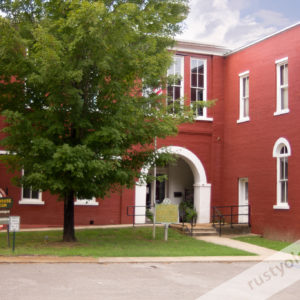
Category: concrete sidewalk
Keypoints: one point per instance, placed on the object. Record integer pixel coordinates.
(225, 241)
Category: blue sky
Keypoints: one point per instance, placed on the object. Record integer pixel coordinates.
(233, 23)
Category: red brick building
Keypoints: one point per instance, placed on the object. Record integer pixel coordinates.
(246, 148)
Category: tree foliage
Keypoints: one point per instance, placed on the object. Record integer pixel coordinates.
(70, 90)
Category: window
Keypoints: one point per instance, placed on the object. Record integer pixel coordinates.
(88, 202)
(175, 88)
(282, 151)
(282, 98)
(198, 86)
(30, 196)
(244, 97)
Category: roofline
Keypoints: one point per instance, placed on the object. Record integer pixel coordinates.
(261, 39)
(199, 48)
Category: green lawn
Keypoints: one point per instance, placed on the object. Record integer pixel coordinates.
(260, 241)
(127, 242)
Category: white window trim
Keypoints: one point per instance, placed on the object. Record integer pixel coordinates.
(31, 201)
(279, 110)
(243, 119)
(204, 117)
(86, 202)
(182, 77)
(281, 206)
(280, 142)
(4, 152)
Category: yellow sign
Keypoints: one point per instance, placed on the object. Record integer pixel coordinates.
(167, 213)
(6, 203)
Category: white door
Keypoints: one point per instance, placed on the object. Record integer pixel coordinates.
(243, 200)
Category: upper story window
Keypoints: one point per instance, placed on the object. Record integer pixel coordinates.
(244, 97)
(281, 152)
(282, 97)
(30, 196)
(198, 86)
(175, 88)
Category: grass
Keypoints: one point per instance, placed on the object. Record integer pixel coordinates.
(126, 242)
(260, 241)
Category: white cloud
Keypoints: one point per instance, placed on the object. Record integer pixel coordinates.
(269, 17)
(219, 22)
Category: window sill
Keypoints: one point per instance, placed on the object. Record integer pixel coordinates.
(31, 202)
(281, 112)
(243, 120)
(206, 119)
(86, 203)
(281, 206)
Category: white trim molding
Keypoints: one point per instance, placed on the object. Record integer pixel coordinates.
(282, 87)
(31, 201)
(281, 151)
(244, 97)
(86, 202)
(199, 87)
(280, 142)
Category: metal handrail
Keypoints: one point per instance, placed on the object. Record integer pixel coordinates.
(218, 214)
(133, 215)
(221, 216)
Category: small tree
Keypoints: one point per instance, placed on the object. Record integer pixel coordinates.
(70, 91)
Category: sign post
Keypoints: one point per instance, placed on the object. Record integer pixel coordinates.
(14, 226)
(6, 204)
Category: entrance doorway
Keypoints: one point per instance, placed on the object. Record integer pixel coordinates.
(243, 200)
(185, 178)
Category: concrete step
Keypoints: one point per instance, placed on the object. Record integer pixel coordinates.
(210, 230)
(198, 229)
(234, 229)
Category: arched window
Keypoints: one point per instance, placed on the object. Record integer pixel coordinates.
(281, 152)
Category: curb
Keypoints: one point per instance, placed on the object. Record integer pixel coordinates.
(47, 259)
(119, 260)
(137, 260)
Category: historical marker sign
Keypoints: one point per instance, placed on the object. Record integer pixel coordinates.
(167, 213)
(6, 203)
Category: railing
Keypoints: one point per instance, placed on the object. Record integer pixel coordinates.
(222, 214)
(131, 212)
(192, 222)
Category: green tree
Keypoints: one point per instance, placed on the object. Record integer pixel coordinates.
(70, 91)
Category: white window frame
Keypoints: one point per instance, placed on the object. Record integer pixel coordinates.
(33, 201)
(244, 199)
(279, 87)
(280, 143)
(204, 89)
(244, 97)
(86, 202)
(181, 79)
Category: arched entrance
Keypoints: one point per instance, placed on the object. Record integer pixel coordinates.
(202, 189)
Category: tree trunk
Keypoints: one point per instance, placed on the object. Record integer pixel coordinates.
(69, 232)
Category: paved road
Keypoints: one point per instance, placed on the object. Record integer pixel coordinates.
(143, 281)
